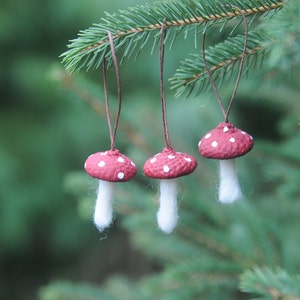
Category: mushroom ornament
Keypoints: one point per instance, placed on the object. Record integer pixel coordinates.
(109, 167)
(167, 166)
(225, 143)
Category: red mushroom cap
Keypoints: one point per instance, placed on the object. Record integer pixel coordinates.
(169, 164)
(110, 166)
(225, 142)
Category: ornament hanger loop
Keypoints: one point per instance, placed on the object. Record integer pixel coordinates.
(112, 132)
(161, 79)
(226, 112)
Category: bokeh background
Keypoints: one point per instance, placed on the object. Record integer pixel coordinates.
(51, 121)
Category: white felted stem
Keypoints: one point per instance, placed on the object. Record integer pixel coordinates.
(229, 189)
(167, 214)
(103, 209)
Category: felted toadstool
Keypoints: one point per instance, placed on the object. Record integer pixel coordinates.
(109, 167)
(167, 166)
(225, 143)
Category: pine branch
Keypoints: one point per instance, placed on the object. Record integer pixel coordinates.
(132, 29)
(214, 245)
(271, 284)
(191, 76)
(198, 273)
(284, 33)
(277, 38)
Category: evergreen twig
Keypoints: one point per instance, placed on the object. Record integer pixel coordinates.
(131, 29)
(192, 74)
(271, 284)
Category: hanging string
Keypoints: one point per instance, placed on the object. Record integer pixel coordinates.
(241, 63)
(226, 113)
(209, 73)
(162, 92)
(112, 132)
(107, 103)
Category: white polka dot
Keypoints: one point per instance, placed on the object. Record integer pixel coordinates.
(166, 169)
(199, 143)
(232, 140)
(103, 153)
(208, 135)
(120, 159)
(243, 132)
(101, 164)
(121, 175)
(251, 137)
(153, 160)
(132, 163)
(225, 129)
(171, 156)
(214, 144)
(188, 159)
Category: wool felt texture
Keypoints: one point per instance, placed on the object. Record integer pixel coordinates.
(229, 187)
(103, 213)
(167, 216)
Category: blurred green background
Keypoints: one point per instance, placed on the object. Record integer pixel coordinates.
(50, 122)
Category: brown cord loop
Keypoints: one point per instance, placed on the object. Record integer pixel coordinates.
(162, 92)
(112, 132)
(226, 112)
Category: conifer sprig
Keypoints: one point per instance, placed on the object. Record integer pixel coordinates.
(268, 284)
(132, 29)
(191, 76)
